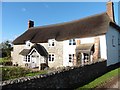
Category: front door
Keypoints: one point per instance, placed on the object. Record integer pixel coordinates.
(33, 61)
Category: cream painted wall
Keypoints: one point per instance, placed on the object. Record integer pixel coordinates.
(113, 52)
(16, 57)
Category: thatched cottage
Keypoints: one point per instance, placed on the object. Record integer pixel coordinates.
(66, 44)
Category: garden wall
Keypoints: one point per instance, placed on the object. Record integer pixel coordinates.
(69, 77)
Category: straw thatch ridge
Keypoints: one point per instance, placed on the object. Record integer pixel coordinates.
(86, 27)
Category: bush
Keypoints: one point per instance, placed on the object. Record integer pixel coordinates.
(5, 62)
(13, 72)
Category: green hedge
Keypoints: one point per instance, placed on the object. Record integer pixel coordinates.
(13, 72)
(5, 61)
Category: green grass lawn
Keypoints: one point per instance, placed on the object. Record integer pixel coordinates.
(36, 73)
(101, 79)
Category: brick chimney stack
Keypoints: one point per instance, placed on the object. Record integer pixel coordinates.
(110, 10)
(30, 24)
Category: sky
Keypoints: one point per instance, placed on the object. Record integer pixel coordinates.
(15, 15)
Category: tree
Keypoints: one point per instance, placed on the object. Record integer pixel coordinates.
(6, 48)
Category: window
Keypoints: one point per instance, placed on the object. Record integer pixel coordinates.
(72, 42)
(51, 57)
(51, 42)
(28, 43)
(27, 58)
(118, 41)
(113, 41)
(71, 57)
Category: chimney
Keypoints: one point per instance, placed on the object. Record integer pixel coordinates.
(30, 24)
(78, 42)
(110, 10)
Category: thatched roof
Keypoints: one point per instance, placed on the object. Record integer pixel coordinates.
(86, 27)
(41, 50)
(24, 52)
(85, 48)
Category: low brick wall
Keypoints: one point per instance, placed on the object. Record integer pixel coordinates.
(71, 77)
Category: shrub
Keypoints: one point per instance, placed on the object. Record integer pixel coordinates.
(13, 72)
(5, 61)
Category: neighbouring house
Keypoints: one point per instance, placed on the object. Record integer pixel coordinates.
(72, 43)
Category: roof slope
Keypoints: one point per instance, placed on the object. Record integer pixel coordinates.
(86, 27)
(41, 50)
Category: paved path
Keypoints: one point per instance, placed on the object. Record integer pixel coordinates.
(112, 84)
(116, 84)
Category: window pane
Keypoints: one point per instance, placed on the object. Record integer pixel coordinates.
(49, 57)
(53, 44)
(52, 59)
(28, 58)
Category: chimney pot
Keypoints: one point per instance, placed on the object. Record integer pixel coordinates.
(30, 24)
(110, 10)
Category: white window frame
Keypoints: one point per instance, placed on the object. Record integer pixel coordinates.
(72, 42)
(118, 41)
(26, 58)
(28, 43)
(51, 42)
(50, 57)
(71, 57)
(113, 41)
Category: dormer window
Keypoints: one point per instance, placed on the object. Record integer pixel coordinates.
(28, 43)
(51, 42)
(72, 42)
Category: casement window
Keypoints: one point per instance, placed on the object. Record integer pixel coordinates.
(72, 42)
(51, 42)
(28, 43)
(71, 57)
(51, 57)
(113, 41)
(27, 58)
(118, 41)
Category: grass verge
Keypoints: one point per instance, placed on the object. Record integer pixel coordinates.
(101, 79)
(36, 73)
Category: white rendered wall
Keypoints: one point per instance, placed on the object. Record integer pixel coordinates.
(103, 49)
(87, 40)
(70, 49)
(67, 49)
(113, 52)
(119, 47)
